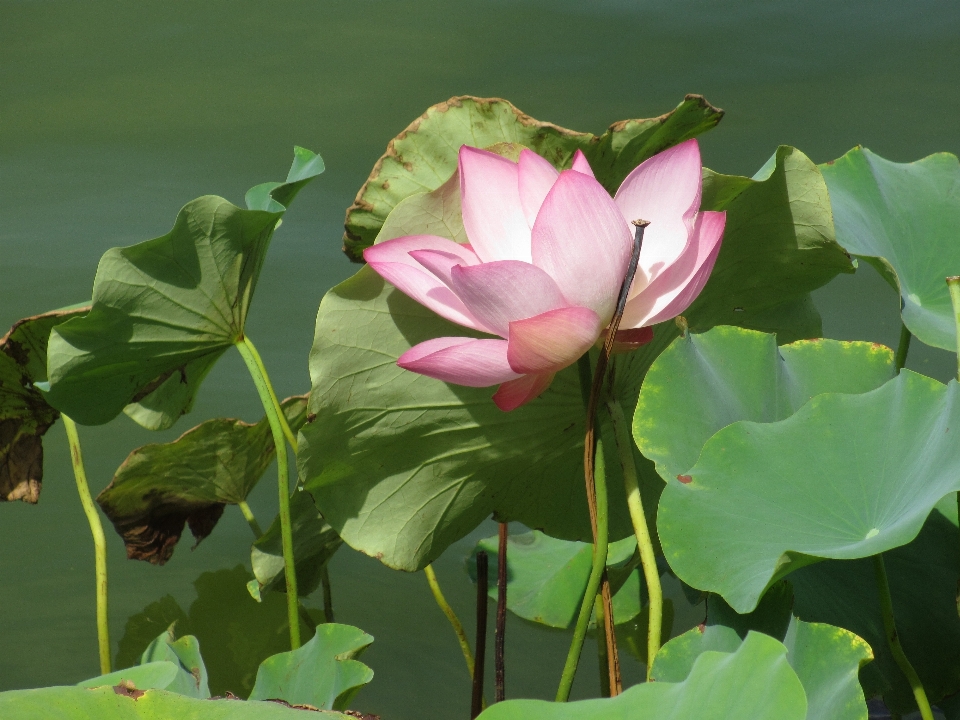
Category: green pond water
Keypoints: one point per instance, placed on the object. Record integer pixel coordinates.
(113, 115)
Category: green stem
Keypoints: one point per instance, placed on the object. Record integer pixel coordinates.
(287, 432)
(593, 583)
(250, 518)
(893, 640)
(451, 616)
(648, 558)
(262, 382)
(99, 543)
(953, 285)
(903, 347)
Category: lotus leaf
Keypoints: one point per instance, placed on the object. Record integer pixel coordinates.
(163, 312)
(323, 673)
(825, 658)
(546, 577)
(25, 415)
(156, 675)
(847, 476)
(902, 218)
(704, 382)
(314, 543)
(423, 156)
(191, 678)
(159, 488)
(402, 465)
(754, 681)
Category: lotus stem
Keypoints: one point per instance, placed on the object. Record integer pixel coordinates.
(477, 702)
(451, 616)
(593, 584)
(648, 559)
(893, 639)
(500, 632)
(601, 647)
(287, 432)
(250, 518)
(262, 382)
(327, 593)
(903, 347)
(99, 543)
(596, 486)
(953, 286)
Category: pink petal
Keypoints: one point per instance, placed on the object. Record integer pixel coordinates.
(553, 340)
(672, 292)
(461, 361)
(515, 393)
(581, 165)
(665, 190)
(537, 176)
(439, 262)
(497, 293)
(492, 214)
(393, 262)
(582, 240)
(631, 339)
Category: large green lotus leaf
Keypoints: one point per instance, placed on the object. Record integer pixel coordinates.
(185, 653)
(923, 583)
(546, 577)
(25, 415)
(155, 675)
(276, 197)
(825, 658)
(755, 681)
(704, 382)
(902, 218)
(163, 312)
(423, 157)
(122, 703)
(322, 673)
(160, 488)
(236, 632)
(847, 476)
(402, 465)
(314, 543)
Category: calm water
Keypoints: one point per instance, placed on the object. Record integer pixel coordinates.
(116, 114)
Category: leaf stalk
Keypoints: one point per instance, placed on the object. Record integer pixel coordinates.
(99, 543)
(451, 616)
(893, 639)
(285, 426)
(648, 559)
(267, 398)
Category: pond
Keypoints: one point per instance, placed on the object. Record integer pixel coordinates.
(115, 115)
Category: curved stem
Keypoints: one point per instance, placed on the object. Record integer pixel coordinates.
(262, 382)
(593, 582)
(903, 347)
(451, 616)
(893, 640)
(99, 543)
(500, 631)
(648, 558)
(287, 432)
(250, 518)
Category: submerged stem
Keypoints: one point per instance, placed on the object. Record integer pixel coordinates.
(99, 543)
(285, 426)
(602, 659)
(477, 701)
(451, 616)
(250, 518)
(893, 640)
(903, 347)
(267, 398)
(499, 634)
(327, 594)
(648, 558)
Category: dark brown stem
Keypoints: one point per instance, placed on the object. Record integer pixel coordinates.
(499, 637)
(610, 636)
(479, 658)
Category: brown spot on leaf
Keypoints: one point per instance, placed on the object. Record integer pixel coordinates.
(311, 417)
(685, 479)
(128, 689)
(155, 383)
(21, 457)
(360, 715)
(153, 536)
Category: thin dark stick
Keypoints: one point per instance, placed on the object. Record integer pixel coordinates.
(479, 657)
(610, 636)
(327, 595)
(498, 639)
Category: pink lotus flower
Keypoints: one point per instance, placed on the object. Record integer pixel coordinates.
(547, 254)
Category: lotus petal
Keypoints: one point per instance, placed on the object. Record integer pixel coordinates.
(536, 177)
(515, 393)
(553, 340)
(460, 360)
